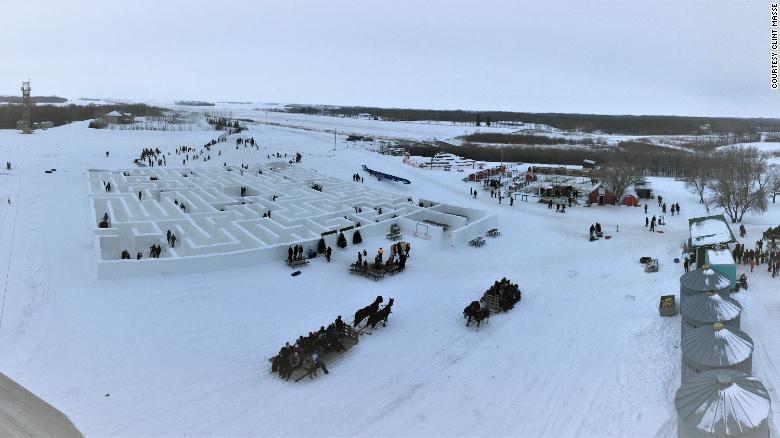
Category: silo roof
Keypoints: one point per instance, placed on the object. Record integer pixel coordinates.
(716, 346)
(710, 308)
(723, 402)
(705, 279)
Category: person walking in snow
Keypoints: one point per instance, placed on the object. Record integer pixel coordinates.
(647, 221)
(328, 251)
(140, 194)
(645, 209)
(686, 264)
(173, 240)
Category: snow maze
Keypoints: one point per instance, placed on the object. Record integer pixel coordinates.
(219, 228)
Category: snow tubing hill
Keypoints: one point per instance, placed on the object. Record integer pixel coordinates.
(381, 175)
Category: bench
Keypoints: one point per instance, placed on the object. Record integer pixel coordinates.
(493, 233)
(297, 262)
(477, 242)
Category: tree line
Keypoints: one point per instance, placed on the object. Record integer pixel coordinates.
(527, 139)
(33, 99)
(608, 124)
(60, 115)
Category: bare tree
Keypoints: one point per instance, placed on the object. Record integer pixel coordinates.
(619, 173)
(740, 182)
(774, 182)
(699, 174)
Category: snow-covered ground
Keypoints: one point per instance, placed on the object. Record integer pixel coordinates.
(585, 352)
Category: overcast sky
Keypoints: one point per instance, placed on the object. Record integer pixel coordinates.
(614, 57)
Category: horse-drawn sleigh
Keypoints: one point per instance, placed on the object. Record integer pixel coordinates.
(500, 297)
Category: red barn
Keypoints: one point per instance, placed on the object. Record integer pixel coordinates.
(630, 201)
(601, 196)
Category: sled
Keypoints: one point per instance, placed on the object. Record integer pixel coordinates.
(296, 273)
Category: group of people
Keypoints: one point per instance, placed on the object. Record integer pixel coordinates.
(559, 206)
(758, 256)
(674, 207)
(357, 178)
(595, 231)
(295, 253)
(651, 223)
(307, 350)
(508, 293)
(399, 250)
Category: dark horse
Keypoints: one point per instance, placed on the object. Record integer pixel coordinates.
(361, 314)
(476, 312)
(470, 310)
(380, 315)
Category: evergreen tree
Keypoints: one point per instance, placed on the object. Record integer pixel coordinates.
(321, 247)
(341, 241)
(478, 121)
(487, 121)
(357, 238)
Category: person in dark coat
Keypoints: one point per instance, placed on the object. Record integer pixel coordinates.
(328, 251)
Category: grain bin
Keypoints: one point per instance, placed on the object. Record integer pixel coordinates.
(707, 309)
(722, 403)
(716, 346)
(703, 280)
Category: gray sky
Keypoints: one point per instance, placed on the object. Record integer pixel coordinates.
(613, 57)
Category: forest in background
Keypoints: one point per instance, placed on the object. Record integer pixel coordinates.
(591, 123)
(60, 115)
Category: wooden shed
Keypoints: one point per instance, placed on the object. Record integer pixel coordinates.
(601, 196)
(630, 201)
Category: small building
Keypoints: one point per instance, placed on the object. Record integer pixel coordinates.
(588, 164)
(600, 195)
(720, 260)
(630, 201)
(119, 118)
(708, 232)
(643, 190)
(722, 403)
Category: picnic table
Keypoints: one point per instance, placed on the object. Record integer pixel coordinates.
(493, 232)
(477, 241)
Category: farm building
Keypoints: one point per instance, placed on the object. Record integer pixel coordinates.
(631, 201)
(716, 347)
(707, 309)
(708, 232)
(722, 403)
(721, 260)
(118, 117)
(700, 281)
(601, 196)
(643, 190)
(588, 164)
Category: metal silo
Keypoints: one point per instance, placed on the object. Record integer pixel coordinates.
(716, 346)
(708, 308)
(722, 403)
(703, 280)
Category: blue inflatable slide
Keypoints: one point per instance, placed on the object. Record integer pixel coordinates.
(380, 176)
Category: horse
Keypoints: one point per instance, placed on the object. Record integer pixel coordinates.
(470, 310)
(380, 315)
(482, 314)
(361, 314)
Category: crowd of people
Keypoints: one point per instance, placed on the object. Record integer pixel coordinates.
(759, 255)
(507, 293)
(307, 350)
(399, 252)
